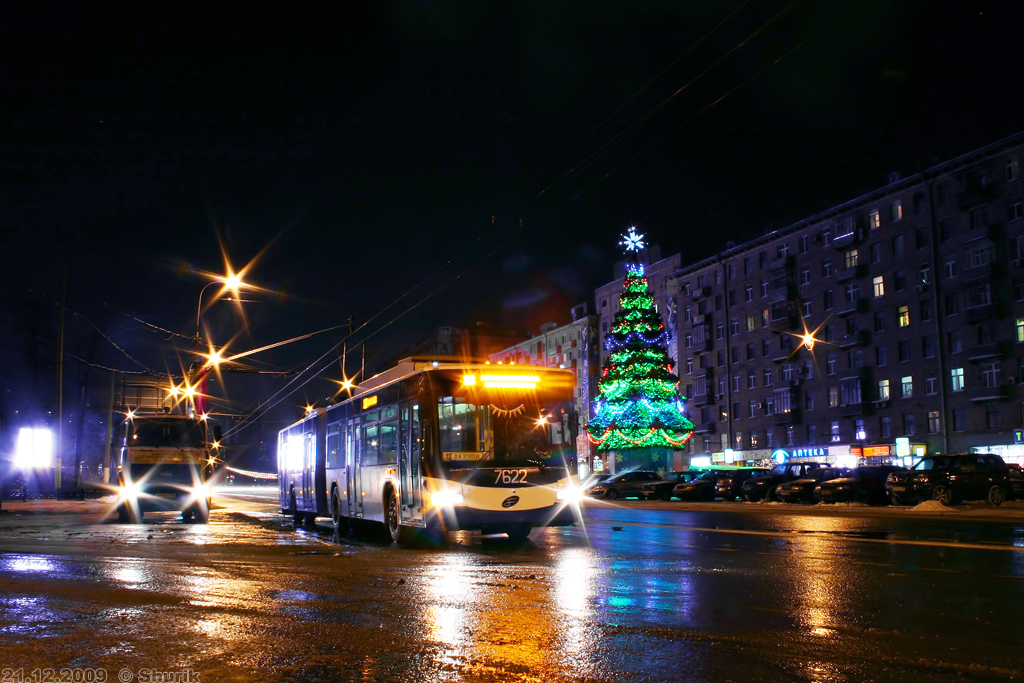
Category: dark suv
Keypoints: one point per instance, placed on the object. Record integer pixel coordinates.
(762, 486)
(730, 485)
(623, 485)
(950, 479)
(652, 490)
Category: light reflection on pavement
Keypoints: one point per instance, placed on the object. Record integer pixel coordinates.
(643, 595)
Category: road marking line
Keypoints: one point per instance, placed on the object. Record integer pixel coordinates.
(813, 534)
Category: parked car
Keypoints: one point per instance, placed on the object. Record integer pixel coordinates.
(730, 485)
(1016, 481)
(802, 490)
(663, 489)
(701, 488)
(865, 484)
(622, 485)
(950, 479)
(763, 486)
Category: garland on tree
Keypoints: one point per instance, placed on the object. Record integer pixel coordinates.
(638, 405)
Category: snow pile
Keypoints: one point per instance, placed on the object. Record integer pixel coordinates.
(931, 506)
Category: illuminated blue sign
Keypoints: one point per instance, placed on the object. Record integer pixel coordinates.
(780, 455)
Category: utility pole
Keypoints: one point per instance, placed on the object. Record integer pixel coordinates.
(60, 384)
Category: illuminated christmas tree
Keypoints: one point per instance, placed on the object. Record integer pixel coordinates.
(638, 405)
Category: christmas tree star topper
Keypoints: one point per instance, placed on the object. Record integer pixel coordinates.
(633, 241)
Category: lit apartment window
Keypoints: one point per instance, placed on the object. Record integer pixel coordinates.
(874, 220)
(903, 315)
(1020, 329)
(956, 379)
(896, 210)
(850, 259)
(750, 322)
(907, 386)
(879, 285)
(883, 390)
(859, 432)
(835, 432)
(1012, 169)
(833, 397)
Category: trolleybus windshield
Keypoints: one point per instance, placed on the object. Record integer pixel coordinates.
(176, 433)
(523, 432)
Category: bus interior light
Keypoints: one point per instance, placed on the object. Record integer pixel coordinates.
(510, 381)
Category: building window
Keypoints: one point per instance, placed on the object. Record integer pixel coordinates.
(766, 378)
(991, 374)
(952, 304)
(720, 331)
(805, 276)
(749, 293)
(876, 252)
(959, 420)
(736, 386)
(874, 220)
(1020, 329)
(829, 300)
(885, 427)
(826, 267)
(721, 359)
(922, 238)
(897, 245)
(883, 390)
(830, 365)
(903, 316)
(762, 259)
(805, 241)
(896, 210)
(833, 397)
(826, 237)
(812, 434)
(1014, 210)
(1012, 169)
(920, 203)
(748, 265)
(992, 416)
(908, 424)
(928, 346)
(830, 333)
(850, 258)
(809, 400)
(907, 386)
(879, 285)
(881, 356)
(835, 432)
(689, 366)
(933, 422)
(931, 384)
(955, 344)
(956, 376)
(764, 288)
(926, 310)
(859, 433)
(732, 297)
(949, 267)
(766, 347)
(769, 437)
(904, 351)
(852, 292)
(734, 326)
(751, 381)
(753, 408)
(806, 309)
(900, 280)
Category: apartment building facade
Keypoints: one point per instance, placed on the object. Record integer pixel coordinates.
(884, 328)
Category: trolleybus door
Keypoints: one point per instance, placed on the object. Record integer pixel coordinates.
(409, 463)
(307, 501)
(355, 506)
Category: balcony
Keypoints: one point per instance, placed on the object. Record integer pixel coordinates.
(979, 314)
(840, 242)
(854, 410)
(862, 338)
(978, 195)
(700, 292)
(844, 274)
(997, 393)
(987, 351)
(851, 307)
(788, 417)
(704, 428)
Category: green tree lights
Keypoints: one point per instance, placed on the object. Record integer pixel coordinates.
(638, 405)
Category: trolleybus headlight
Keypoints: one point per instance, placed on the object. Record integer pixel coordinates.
(571, 494)
(447, 498)
(130, 490)
(200, 492)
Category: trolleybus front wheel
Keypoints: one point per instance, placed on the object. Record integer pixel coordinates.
(400, 533)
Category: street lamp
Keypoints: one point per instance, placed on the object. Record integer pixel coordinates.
(231, 281)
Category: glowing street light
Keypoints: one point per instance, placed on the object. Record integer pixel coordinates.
(34, 449)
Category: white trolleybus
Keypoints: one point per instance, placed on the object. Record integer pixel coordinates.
(439, 444)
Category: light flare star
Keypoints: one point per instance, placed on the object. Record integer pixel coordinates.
(632, 241)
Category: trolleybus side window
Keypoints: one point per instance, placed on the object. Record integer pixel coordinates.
(388, 452)
(370, 446)
(459, 424)
(333, 445)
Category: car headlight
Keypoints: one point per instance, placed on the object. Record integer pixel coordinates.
(447, 498)
(200, 492)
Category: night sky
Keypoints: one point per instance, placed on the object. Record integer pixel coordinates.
(358, 152)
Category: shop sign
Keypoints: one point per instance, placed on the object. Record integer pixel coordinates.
(718, 457)
(819, 452)
(902, 446)
(877, 451)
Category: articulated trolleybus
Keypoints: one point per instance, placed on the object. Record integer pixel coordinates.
(437, 445)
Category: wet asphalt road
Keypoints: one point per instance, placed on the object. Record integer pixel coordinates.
(643, 592)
